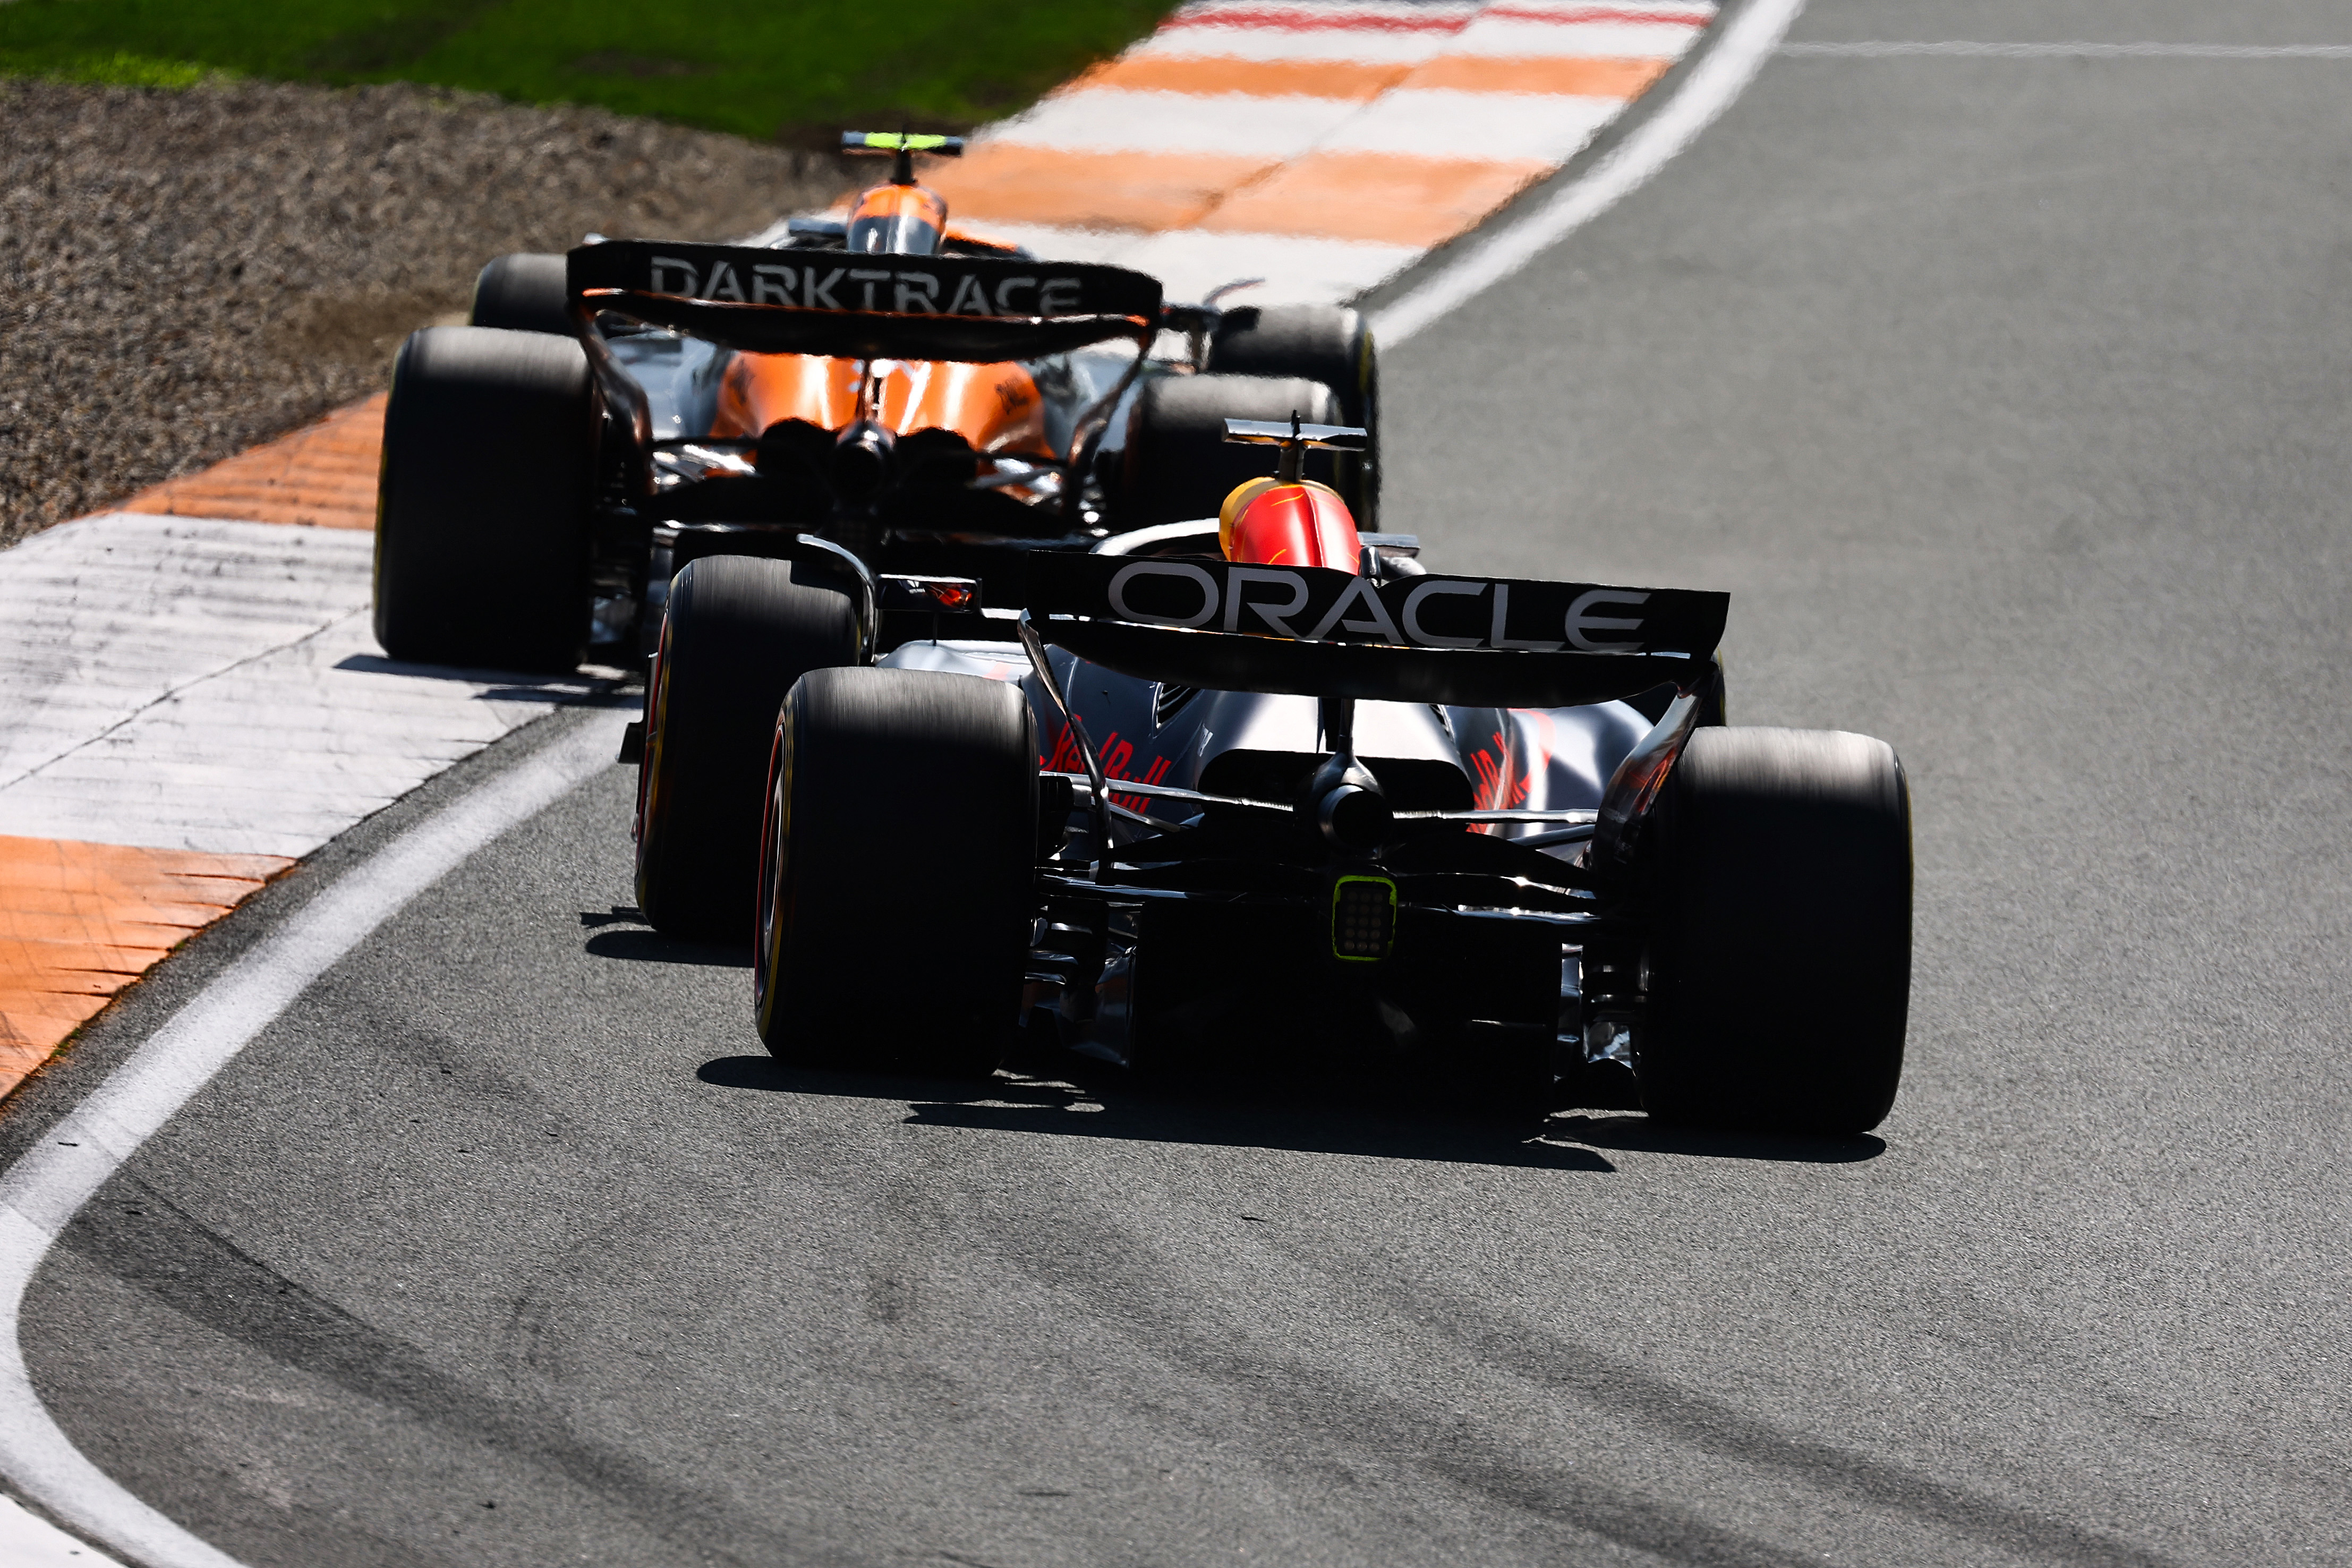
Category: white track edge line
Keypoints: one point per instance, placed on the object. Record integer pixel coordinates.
(1730, 63)
(42, 1191)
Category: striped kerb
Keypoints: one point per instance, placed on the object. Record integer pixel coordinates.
(323, 475)
(79, 921)
(198, 702)
(1319, 144)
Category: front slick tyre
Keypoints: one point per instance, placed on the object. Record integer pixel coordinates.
(737, 632)
(896, 872)
(1781, 976)
(524, 293)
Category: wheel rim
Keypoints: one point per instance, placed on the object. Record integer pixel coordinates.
(776, 824)
(649, 759)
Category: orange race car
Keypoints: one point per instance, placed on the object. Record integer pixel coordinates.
(887, 391)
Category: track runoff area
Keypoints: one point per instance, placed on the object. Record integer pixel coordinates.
(2120, 1510)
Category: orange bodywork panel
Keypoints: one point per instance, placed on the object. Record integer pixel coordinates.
(1269, 523)
(902, 203)
(996, 407)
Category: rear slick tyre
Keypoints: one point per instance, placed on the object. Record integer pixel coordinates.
(1780, 979)
(482, 506)
(896, 872)
(737, 631)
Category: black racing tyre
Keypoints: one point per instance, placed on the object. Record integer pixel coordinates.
(1329, 344)
(895, 871)
(482, 502)
(1780, 978)
(1178, 465)
(524, 292)
(737, 631)
(1714, 704)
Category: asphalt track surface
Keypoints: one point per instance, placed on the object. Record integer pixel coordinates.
(2012, 399)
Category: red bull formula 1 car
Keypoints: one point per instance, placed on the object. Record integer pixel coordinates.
(1259, 786)
(915, 399)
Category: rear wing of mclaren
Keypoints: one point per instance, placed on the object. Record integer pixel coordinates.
(1313, 632)
(848, 305)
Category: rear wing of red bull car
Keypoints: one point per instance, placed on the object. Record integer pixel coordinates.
(1309, 631)
(1449, 641)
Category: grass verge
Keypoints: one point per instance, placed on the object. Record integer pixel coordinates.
(795, 72)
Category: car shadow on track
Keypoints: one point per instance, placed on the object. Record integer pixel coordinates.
(652, 947)
(1386, 1121)
(639, 943)
(505, 685)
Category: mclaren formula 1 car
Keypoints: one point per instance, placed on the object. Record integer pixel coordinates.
(910, 398)
(1260, 785)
